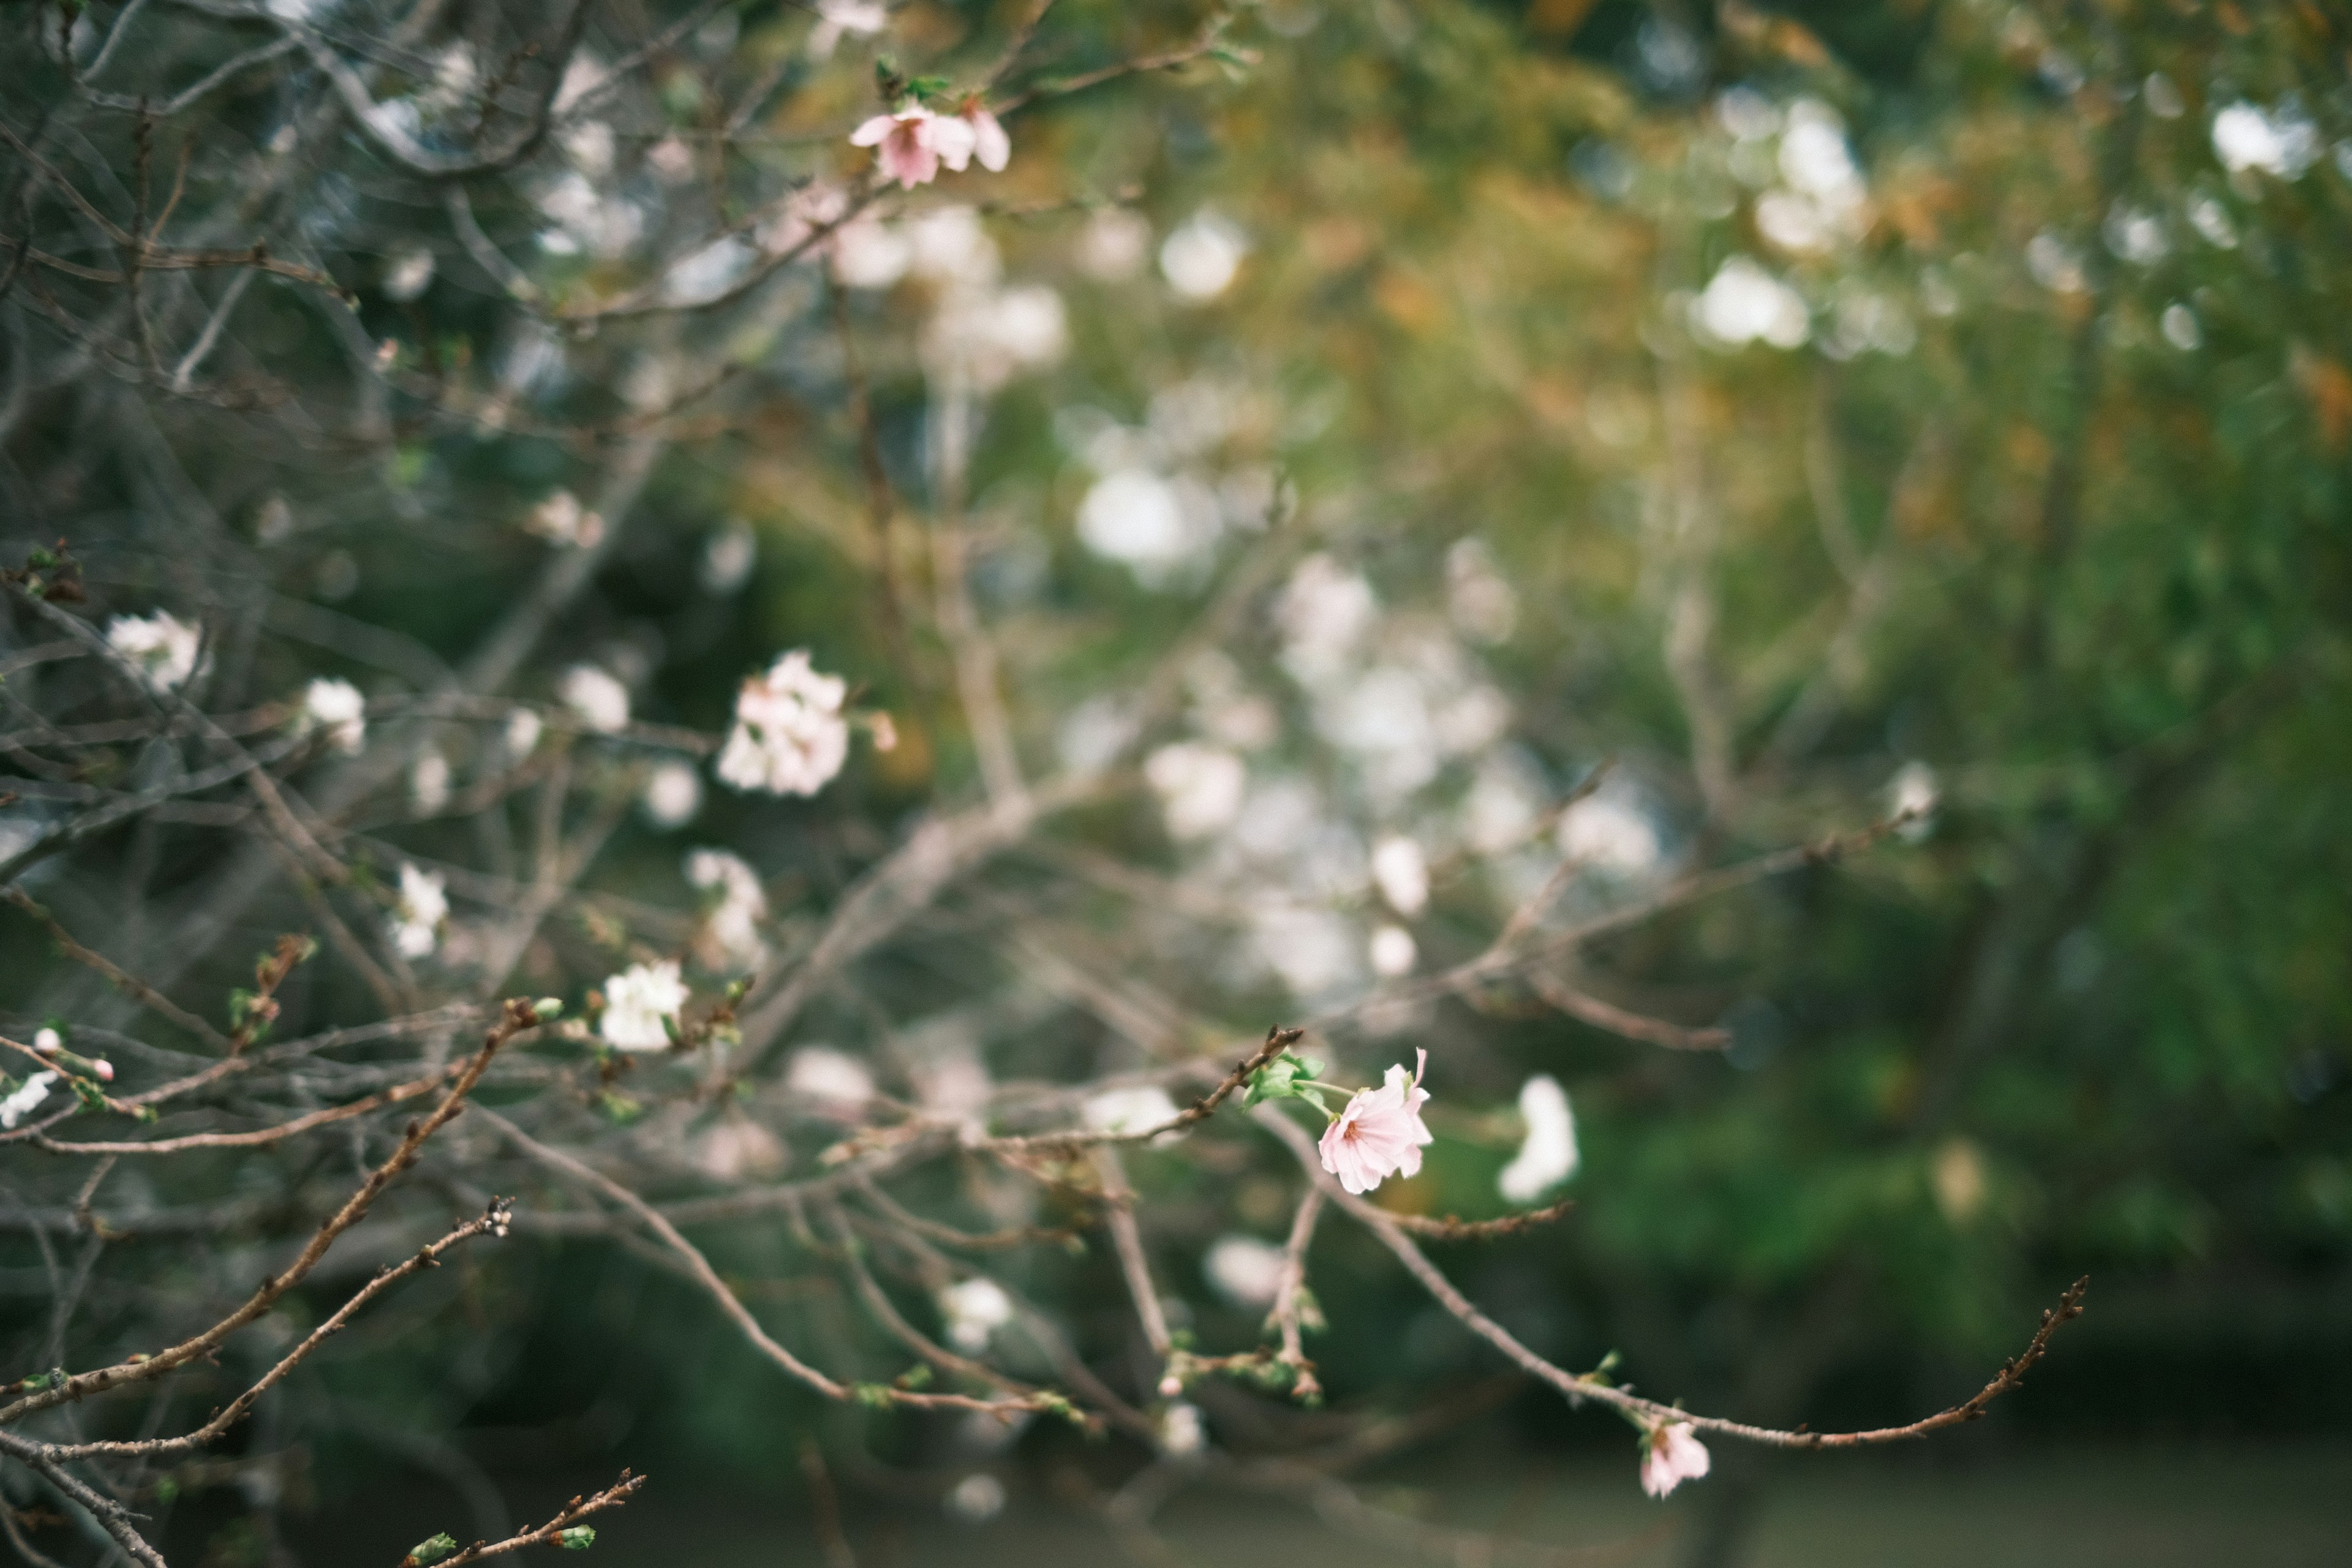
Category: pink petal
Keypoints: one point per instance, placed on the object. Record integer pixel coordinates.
(953, 139)
(873, 131)
(991, 145)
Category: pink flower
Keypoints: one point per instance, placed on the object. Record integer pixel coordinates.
(990, 144)
(103, 1070)
(1380, 1134)
(913, 144)
(1671, 1455)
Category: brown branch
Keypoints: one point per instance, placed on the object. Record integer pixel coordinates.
(396, 1095)
(1589, 1385)
(1452, 1229)
(1590, 1009)
(494, 1221)
(518, 1017)
(1277, 1040)
(566, 1517)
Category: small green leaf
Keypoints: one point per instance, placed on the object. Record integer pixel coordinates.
(426, 1553)
(579, 1538)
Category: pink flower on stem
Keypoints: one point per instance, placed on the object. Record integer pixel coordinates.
(912, 144)
(102, 1070)
(1380, 1134)
(1671, 1455)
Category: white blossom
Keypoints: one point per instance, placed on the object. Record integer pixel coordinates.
(728, 559)
(2181, 329)
(732, 929)
(975, 1310)
(1393, 951)
(736, 1147)
(1325, 613)
(1402, 872)
(790, 737)
(835, 18)
(1913, 794)
(639, 1002)
(977, 1499)
(2274, 142)
(595, 697)
(673, 793)
(1137, 1107)
(833, 1081)
(561, 519)
(408, 274)
(1745, 304)
(1113, 244)
(1201, 256)
(418, 913)
(336, 707)
(1199, 788)
(1149, 524)
(1609, 832)
(1244, 1270)
(1548, 1155)
(522, 732)
(428, 783)
(1182, 1433)
(164, 648)
(22, 1101)
(49, 1042)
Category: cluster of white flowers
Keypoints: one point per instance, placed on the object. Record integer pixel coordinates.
(1821, 201)
(641, 1005)
(418, 913)
(731, 932)
(164, 648)
(790, 736)
(337, 708)
(27, 1098)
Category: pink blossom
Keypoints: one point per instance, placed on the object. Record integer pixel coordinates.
(1671, 1455)
(912, 144)
(990, 144)
(1380, 1134)
(103, 1070)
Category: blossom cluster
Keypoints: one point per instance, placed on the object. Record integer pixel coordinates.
(912, 141)
(789, 735)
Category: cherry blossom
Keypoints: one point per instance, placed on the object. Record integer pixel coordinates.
(790, 737)
(1671, 1455)
(639, 1004)
(336, 707)
(1548, 1156)
(975, 1310)
(49, 1042)
(598, 700)
(164, 648)
(990, 144)
(833, 1082)
(673, 793)
(26, 1098)
(731, 932)
(416, 918)
(1380, 1134)
(910, 144)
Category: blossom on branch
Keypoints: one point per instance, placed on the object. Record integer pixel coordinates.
(26, 1098)
(910, 144)
(416, 918)
(336, 707)
(164, 647)
(975, 1310)
(641, 1005)
(1548, 1157)
(595, 697)
(990, 144)
(1671, 1455)
(790, 737)
(1379, 1133)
